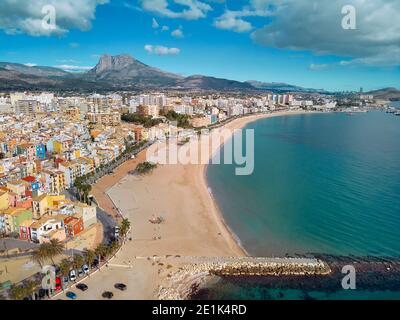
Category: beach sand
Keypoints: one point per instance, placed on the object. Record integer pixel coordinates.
(193, 225)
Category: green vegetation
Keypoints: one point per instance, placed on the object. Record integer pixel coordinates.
(147, 122)
(48, 251)
(90, 256)
(83, 188)
(181, 119)
(145, 167)
(125, 226)
(20, 292)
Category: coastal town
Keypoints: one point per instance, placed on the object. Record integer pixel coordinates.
(54, 147)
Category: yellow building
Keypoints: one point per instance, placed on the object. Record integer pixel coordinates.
(4, 200)
(41, 205)
(55, 181)
(58, 147)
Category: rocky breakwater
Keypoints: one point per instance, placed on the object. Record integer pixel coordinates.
(190, 277)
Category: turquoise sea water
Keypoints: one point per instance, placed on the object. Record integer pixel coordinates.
(326, 183)
(323, 183)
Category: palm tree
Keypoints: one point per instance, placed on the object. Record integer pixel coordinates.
(78, 261)
(38, 257)
(17, 292)
(55, 248)
(30, 288)
(125, 224)
(90, 256)
(101, 250)
(65, 267)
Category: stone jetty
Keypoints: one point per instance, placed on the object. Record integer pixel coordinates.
(185, 281)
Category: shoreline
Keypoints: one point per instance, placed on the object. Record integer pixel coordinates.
(193, 224)
(243, 122)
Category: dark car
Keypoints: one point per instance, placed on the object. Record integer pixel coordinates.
(42, 293)
(94, 264)
(120, 286)
(107, 294)
(82, 286)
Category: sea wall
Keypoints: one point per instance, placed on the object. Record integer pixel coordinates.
(186, 281)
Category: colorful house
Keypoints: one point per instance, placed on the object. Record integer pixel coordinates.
(41, 151)
(13, 218)
(73, 225)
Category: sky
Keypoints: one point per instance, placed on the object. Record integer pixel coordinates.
(336, 45)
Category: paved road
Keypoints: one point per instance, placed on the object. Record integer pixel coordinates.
(108, 223)
(8, 244)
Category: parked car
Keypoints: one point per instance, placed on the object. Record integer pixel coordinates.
(58, 285)
(71, 295)
(80, 273)
(65, 281)
(107, 295)
(120, 286)
(85, 269)
(72, 275)
(116, 232)
(82, 286)
(94, 264)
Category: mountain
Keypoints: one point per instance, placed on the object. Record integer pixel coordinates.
(18, 77)
(33, 70)
(211, 83)
(124, 69)
(281, 87)
(122, 72)
(386, 94)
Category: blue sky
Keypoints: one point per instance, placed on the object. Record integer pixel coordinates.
(297, 42)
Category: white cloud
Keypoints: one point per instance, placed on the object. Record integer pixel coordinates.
(25, 16)
(29, 64)
(161, 50)
(154, 24)
(316, 26)
(164, 28)
(68, 67)
(193, 9)
(233, 20)
(229, 21)
(177, 33)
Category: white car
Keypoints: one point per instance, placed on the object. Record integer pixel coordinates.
(116, 232)
(72, 275)
(85, 269)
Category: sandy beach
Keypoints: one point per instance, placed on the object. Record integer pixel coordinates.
(192, 227)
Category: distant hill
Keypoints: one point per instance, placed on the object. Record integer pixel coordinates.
(281, 87)
(123, 72)
(386, 94)
(211, 83)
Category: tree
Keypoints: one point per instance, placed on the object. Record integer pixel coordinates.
(17, 292)
(30, 288)
(38, 257)
(78, 261)
(65, 267)
(55, 248)
(145, 167)
(90, 256)
(125, 224)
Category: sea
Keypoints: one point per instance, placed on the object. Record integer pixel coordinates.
(324, 183)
